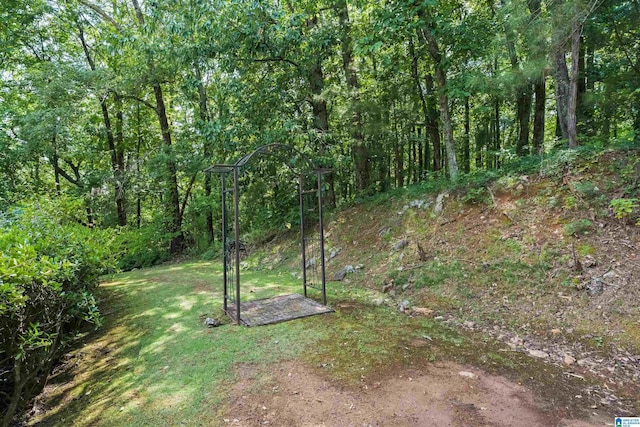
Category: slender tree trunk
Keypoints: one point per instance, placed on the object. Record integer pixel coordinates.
(497, 141)
(177, 240)
(424, 162)
(572, 119)
(205, 118)
(433, 128)
(119, 169)
(359, 149)
(523, 96)
(561, 77)
(398, 152)
(443, 98)
(538, 84)
(538, 115)
(466, 149)
(115, 143)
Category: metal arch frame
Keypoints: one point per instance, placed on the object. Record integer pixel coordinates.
(235, 170)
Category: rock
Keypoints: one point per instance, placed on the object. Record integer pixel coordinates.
(569, 360)
(210, 322)
(469, 324)
(334, 253)
(595, 286)
(609, 275)
(419, 204)
(467, 374)
(378, 301)
(340, 275)
(438, 318)
(422, 311)
(538, 353)
(386, 287)
(311, 262)
(400, 245)
(359, 266)
(555, 331)
(439, 203)
(404, 306)
(589, 262)
(406, 286)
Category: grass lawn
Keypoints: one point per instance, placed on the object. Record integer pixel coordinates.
(155, 363)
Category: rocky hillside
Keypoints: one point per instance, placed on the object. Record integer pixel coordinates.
(546, 262)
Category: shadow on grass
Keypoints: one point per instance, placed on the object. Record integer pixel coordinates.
(153, 362)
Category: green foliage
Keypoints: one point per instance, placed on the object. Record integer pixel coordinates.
(144, 247)
(477, 196)
(49, 267)
(624, 208)
(575, 228)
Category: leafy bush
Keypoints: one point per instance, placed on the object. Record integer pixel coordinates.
(49, 267)
(623, 208)
(575, 228)
(143, 247)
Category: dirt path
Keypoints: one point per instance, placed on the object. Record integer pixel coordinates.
(444, 394)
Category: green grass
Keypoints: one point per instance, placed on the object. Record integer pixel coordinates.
(155, 363)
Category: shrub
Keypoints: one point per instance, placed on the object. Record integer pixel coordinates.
(49, 267)
(143, 247)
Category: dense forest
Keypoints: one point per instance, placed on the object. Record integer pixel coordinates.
(123, 104)
(111, 110)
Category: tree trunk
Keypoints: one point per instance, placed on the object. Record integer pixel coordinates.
(523, 96)
(115, 144)
(398, 152)
(466, 150)
(443, 98)
(205, 118)
(175, 228)
(538, 115)
(424, 161)
(433, 128)
(561, 77)
(359, 149)
(538, 84)
(572, 119)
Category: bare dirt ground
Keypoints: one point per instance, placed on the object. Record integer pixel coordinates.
(442, 394)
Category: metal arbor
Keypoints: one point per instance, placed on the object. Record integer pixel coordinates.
(310, 180)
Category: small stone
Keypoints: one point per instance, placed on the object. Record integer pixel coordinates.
(400, 245)
(467, 374)
(404, 306)
(340, 275)
(595, 286)
(439, 203)
(589, 262)
(386, 287)
(469, 324)
(211, 322)
(438, 318)
(311, 262)
(569, 360)
(334, 253)
(555, 331)
(406, 286)
(422, 311)
(609, 275)
(538, 353)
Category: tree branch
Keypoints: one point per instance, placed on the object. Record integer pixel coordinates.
(104, 15)
(187, 193)
(140, 100)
